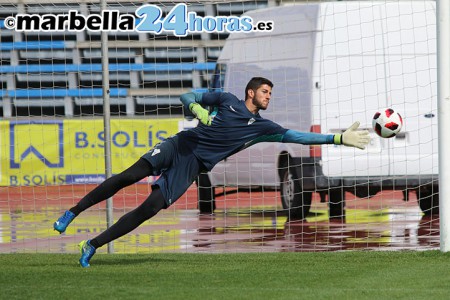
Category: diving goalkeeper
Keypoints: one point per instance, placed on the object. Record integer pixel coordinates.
(233, 126)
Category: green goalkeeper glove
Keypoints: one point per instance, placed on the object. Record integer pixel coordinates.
(353, 137)
(200, 113)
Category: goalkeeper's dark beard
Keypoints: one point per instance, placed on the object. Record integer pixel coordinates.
(258, 104)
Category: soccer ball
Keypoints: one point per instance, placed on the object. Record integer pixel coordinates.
(387, 123)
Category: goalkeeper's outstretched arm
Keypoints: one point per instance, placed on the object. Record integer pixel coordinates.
(352, 137)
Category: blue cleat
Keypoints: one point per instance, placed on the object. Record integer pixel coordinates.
(87, 251)
(64, 221)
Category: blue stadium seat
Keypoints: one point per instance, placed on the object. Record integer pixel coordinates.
(36, 45)
(54, 68)
(55, 93)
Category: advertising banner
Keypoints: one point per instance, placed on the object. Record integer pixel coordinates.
(59, 152)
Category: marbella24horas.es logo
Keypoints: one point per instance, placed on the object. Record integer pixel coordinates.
(147, 18)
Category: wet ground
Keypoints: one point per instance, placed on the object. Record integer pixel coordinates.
(243, 222)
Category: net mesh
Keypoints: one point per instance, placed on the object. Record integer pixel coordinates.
(332, 63)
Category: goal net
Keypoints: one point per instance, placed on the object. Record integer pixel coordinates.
(332, 64)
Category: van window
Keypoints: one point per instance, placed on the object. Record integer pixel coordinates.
(218, 79)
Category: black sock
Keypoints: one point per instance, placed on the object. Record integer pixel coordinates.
(94, 243)
(76, 210)
(128, 222)
(139, 170)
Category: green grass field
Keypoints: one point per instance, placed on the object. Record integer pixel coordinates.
(330, 275)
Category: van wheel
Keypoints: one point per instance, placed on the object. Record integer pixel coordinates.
(336, 203)
(428, 198)
(205, 195)
(294, 200)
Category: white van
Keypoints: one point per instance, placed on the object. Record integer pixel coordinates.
(334, 63)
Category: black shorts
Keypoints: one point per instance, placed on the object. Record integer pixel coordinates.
(176, 164)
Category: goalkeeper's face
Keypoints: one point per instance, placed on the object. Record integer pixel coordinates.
(261, 97)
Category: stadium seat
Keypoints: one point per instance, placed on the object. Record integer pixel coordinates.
(39, 102)
(41, 8)
(114, 55)
(99, 101)
(170, 54)
(36, 45)
(29, 56)
(158, 100)
(213, 53)
(5, 58)
(238, 8)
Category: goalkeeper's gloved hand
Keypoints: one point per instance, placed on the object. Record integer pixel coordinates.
(200, 113)
(353, 137)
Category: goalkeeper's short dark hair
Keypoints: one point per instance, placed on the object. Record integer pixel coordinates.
(256, 82)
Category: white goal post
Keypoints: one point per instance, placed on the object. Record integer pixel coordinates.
(443, 57)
